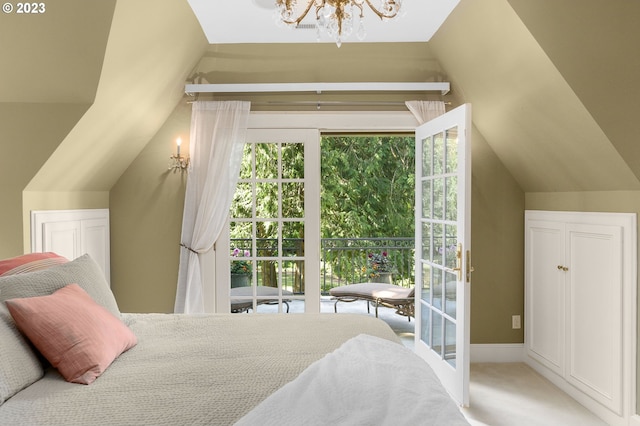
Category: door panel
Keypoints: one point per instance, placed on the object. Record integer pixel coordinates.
(545, 300)
(72, 233)
(274, 226)
(443, 235)
(594, 300)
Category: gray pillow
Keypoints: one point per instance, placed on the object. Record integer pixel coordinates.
(19, 365)
(83, 271)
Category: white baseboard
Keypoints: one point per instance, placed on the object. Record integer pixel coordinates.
(507, 352)
(609, 417)
(515, 352)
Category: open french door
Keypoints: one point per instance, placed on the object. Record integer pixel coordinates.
(443, 250)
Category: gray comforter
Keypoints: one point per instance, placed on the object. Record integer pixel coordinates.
(191, 370)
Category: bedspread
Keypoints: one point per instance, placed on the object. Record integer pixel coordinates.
(191, 370)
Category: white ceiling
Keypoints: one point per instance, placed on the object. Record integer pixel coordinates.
(252, 21)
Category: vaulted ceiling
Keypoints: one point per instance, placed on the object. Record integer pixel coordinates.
(252, 21)
(595, 47)
(545, 80)
(553, 85)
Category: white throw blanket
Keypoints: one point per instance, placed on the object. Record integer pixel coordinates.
(366, 381)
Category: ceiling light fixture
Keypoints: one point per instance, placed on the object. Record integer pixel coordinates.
(336, 17)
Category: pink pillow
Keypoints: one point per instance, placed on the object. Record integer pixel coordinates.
(30, 262)
(76, 335)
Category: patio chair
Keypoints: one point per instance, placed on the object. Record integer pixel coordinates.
(389, 295)
(265, 296)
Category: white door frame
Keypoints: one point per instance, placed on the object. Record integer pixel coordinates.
(216, 299)
(308, 138)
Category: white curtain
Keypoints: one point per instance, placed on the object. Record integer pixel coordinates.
(425, 110)
(218, 131)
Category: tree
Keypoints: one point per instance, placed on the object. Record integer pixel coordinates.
(368, 186)
(367, 191)
(263, 165)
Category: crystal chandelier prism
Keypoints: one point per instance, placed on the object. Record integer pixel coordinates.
(336, 17)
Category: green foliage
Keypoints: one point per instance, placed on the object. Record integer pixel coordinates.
(257, 195)
(262, 163)
(368, 186)
(367, 191)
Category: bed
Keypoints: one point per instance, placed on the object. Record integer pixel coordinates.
(214, 369)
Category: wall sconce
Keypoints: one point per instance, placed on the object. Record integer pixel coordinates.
(178, 162)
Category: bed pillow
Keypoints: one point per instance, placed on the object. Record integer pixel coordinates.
(30, 262)
(76, 335)
(19, 365)
(83, 271)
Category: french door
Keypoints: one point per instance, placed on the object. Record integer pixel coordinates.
(274, 230)
(443, 251)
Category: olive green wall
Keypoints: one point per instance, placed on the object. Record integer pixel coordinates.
(51, 65)
(304, 63)
(146, 217)
(497, 247)
(590, 44)
(26, 147)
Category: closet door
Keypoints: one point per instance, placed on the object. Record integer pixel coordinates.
(545, 293)
(594, 311)
(581, 306)
(72, 233)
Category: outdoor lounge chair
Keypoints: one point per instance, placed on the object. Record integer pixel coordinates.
(265, 296)
(392, 296)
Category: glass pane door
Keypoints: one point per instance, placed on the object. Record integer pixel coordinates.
(269, 224)
(442, 241)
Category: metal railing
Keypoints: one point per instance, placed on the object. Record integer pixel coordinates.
(343, 261)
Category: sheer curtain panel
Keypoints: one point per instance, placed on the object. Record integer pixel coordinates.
(218, 131)
(425, 110)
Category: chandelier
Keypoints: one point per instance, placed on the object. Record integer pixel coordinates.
(336, 17)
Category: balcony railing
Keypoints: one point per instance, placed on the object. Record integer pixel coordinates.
(343, 261)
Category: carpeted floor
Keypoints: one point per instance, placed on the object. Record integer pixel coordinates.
(514, 394)
(505, 394)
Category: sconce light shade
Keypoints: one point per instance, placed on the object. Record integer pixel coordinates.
(178, 162)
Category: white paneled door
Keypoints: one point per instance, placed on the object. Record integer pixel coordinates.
(580, 312)
(72, 233)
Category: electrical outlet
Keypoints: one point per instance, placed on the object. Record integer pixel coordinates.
(515, 322)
